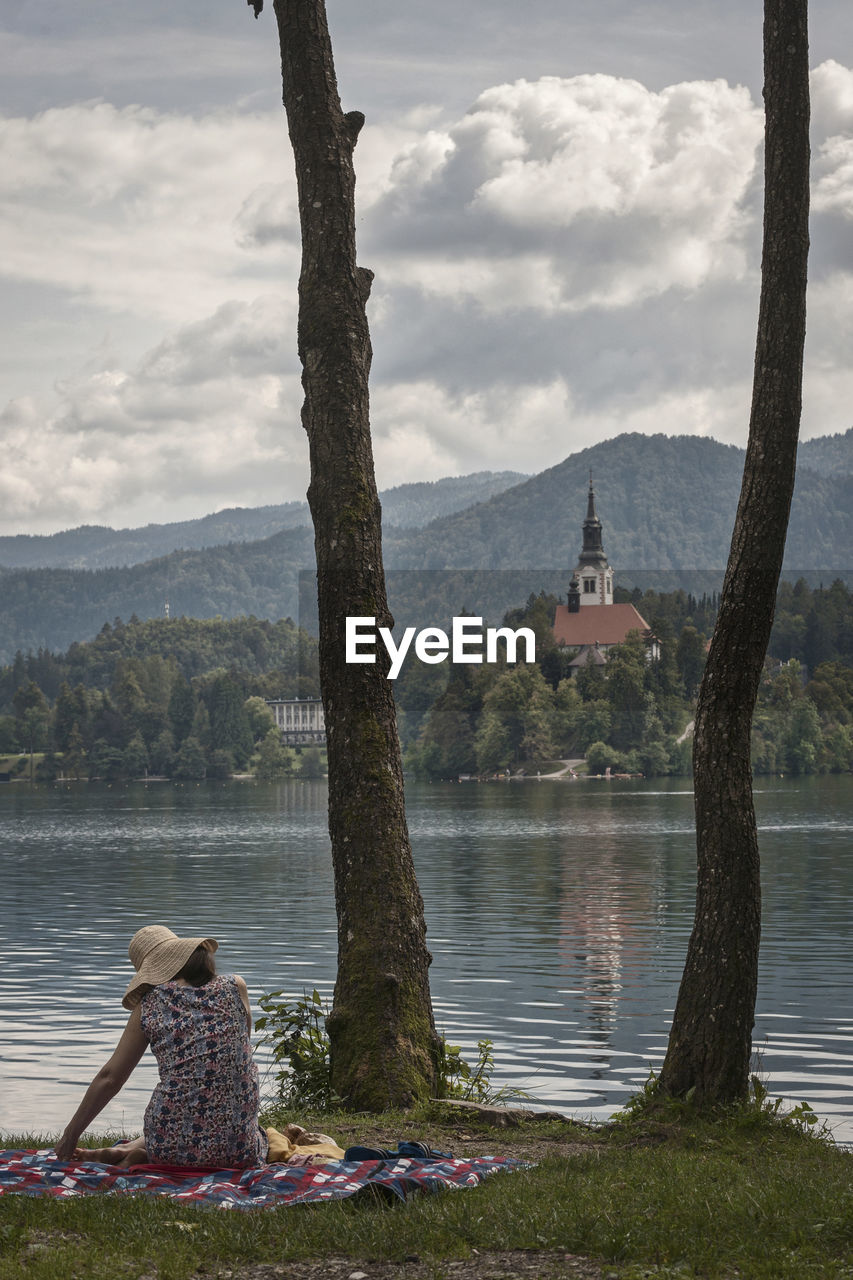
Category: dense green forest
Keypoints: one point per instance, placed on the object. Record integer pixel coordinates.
(184, 697)
(180, 698)
(629, 714)
(666, 504)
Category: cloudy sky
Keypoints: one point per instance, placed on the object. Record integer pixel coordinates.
(561, 204)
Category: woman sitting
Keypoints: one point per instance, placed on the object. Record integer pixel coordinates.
(204, 1111)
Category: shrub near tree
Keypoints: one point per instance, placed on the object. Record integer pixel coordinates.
(446, 745)
(831, 691)
(220, 764)
(601, 756)
(311, 763)
(522, 702)
(626, 684)
(8, 734)
(163, 754)
(493, 748)
(275, 760)
(229, 721)
(786, 736)
(136, 757)
(106, 763)
(690, 659)
(190, 762)
(74, 756)
(32, 715)
(260, 718)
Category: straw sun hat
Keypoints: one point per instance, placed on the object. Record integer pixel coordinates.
(157, 955)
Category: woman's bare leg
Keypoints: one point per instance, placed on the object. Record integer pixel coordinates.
(123, 1154)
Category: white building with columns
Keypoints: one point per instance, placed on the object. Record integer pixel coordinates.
(300, 720)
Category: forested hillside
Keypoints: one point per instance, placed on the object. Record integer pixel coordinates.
(194, 647)
(665, 503)
(830, 455)
(51, 608)
(631, 714)
(178, 697)
(183, 697)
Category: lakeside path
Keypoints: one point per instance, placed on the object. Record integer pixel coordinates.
(569, 766)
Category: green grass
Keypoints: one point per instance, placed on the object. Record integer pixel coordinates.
(745, 1196)
(9, 763)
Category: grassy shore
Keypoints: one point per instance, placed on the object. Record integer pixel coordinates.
(666, 1195)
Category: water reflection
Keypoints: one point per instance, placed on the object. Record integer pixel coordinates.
(558, 919)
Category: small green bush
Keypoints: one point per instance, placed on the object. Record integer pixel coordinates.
(295, 1030)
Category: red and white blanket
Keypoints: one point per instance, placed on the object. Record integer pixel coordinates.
(40, 1173)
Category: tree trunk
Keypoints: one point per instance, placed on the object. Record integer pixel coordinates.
(384, 1047)
(710, 1041)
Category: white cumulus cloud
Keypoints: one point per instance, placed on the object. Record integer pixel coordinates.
(571, 258)
(211, 410)
(132, 210)
(571, 193)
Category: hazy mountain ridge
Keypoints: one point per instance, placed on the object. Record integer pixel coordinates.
(665, 503)
(100, 547)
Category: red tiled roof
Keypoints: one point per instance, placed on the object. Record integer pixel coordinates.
(596, 623)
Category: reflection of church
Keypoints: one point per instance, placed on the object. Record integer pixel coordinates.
(591, 622)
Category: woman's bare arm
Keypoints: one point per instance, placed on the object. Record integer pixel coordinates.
(244, 996)
(106, 1083)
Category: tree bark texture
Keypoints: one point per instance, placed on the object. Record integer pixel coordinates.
(384, 1047)
(710, 1041)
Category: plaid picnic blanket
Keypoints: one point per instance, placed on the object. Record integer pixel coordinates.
(40, 1173)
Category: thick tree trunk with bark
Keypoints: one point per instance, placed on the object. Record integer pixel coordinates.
(384, 1046)
(710, 1041)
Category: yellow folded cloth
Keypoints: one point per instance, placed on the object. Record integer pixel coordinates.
(282, 1147)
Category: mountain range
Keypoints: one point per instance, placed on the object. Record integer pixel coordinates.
(408, 506)
(667, 504)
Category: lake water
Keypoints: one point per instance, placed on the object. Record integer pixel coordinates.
(558, 916)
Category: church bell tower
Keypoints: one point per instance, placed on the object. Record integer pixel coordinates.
(593, 573)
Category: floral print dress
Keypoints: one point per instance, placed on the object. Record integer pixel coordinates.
(204, 1111)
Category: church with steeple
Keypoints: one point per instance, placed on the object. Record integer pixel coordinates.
(590, 622)
(593, 577)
